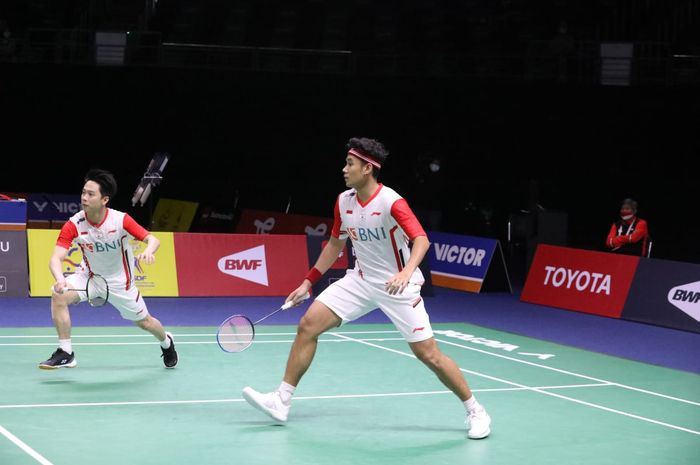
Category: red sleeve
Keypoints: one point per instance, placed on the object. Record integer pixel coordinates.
(640, 232)
(67, 234)
(403, 215)
(335, 232)
(618, 241)
(133, 228)
(611, 236)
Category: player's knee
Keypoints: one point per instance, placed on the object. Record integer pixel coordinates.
(59, 299)
(308, 327)
(144, 323)
(430, 357)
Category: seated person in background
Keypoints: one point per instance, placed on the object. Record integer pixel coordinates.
(629, 235)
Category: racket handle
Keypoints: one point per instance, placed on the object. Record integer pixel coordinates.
(289, 304)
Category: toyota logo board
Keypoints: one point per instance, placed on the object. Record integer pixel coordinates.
(582, 280)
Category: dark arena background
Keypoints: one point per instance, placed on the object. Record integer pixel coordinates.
(541, 117)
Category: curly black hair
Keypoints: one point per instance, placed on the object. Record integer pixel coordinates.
(106, 181)
(371, 147)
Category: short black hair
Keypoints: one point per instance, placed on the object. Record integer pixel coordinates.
(106, 181)
(371, 147)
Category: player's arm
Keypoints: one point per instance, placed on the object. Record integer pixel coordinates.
(65, 239)
(610, 241)
(421, 244)
(152, 244)
(328, 256)
(404, 216)
(639, 233)
(140, 233)
(56, 267)
(400, 280)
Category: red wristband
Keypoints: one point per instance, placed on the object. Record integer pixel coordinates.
(313, 275)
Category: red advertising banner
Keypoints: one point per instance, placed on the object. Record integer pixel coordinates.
(265, 222)
(239, 264)
(582, 280)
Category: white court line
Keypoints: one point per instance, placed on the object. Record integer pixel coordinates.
(474, 349)
(51, 336)
(279, 341)
(558, 370)
(22, 445)
(541, 391)
(339, 396)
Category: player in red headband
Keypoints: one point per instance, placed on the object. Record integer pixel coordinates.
(380, 225)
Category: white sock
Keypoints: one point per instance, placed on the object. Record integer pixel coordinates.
(286, 391)
(165, 343)
(66, 345)
(471, 404)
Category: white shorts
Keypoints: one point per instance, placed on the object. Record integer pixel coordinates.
(352, 297)
(130, 302)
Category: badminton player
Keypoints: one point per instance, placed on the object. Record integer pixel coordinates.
(380, 224)
(103, 236)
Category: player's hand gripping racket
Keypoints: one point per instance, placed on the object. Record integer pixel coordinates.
(237, 332)
(96, 289)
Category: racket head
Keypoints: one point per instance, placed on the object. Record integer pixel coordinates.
(97, 290)
(235, 334)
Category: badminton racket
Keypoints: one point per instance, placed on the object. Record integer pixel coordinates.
(96, 289)
(237, 332)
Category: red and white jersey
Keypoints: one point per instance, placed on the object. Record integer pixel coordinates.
(105, 246)
(380, 230)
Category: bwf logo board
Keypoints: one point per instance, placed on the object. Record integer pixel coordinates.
(665, 293)
(240, 264)
(249, 265)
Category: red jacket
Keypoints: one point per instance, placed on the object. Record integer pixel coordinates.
(629, 237)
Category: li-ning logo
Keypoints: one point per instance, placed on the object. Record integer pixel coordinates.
(249, 265)
(686, 298)
(581, 280)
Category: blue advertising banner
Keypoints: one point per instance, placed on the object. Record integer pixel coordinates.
(13, 215)
(52, 207)
(460, 262)
(665, 293)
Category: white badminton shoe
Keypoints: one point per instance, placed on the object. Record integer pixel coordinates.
(270, 403)
(478, 423)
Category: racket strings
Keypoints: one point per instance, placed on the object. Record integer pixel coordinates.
(97, 290)
(236, 334)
